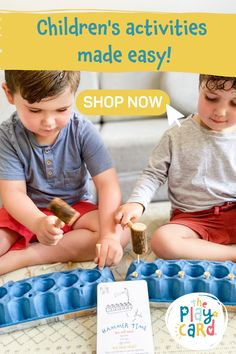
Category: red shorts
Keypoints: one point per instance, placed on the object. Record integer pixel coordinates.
(25, 235)
(217, 224)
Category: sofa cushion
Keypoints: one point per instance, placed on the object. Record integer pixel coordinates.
(131, 143)
(127, 182)
(89, 81)
(182, 89)
(128, 81)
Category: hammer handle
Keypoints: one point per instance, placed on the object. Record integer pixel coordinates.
(58, 222)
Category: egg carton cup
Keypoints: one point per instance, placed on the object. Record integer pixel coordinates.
(50, 297)
(169, 279)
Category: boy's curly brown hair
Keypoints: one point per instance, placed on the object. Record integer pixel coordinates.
(214, 82)
(35, 85)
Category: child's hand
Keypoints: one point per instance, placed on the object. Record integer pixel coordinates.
(46, 231)
(128, 212)
(111, 253)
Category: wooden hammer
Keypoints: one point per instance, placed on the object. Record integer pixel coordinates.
(63, 211)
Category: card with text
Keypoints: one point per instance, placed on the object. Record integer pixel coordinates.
(123, 318)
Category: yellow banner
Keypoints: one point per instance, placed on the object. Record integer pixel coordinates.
(118, 41)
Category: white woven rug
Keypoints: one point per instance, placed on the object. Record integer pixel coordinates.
(78, 336)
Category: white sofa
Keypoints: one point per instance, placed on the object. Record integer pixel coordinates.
(130, 140)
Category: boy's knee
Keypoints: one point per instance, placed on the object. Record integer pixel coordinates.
(7, 239)
(162, 244)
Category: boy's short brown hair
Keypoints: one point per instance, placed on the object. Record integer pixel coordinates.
(214, 82)
(35, 85)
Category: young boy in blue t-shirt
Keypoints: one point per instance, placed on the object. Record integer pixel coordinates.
(46, 151)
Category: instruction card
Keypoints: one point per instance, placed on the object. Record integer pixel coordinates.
(123, 318)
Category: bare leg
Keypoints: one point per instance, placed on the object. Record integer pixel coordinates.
(175, 241)
(78, 245)
(85, 223)
(7, 239)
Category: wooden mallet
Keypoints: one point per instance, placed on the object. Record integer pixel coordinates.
(139, 237)
(63, 211)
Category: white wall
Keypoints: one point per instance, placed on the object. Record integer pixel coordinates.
(5, 108)
(224, 6)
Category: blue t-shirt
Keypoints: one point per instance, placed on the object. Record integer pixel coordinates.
(57, 170)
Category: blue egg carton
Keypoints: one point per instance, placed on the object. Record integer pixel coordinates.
(169, 279)
(50, 297)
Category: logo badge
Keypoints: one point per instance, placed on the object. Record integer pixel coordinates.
(197, 320)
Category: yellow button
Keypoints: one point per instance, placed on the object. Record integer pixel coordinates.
(122, 102)
(50, 173)
(49, 162)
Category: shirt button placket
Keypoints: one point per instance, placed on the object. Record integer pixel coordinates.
(48, 158)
